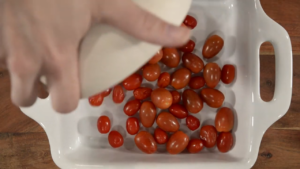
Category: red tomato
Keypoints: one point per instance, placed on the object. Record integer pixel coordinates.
(188, 47)
(132, 107)
(103, 124)
(162, 98)
(177, 142)
(160, 136)
(167, 122)
(115, 139)
(145, 142)
(176, 96)
(192, 122)
(178, 111)
(193, 62)
(133, 81)
(132, 125)
(212, 46)
(190, 21)
(106, 92)
(191, 101)
(118, 94)
(96, 100)
(164, 80)
(224, 142)
(147, 114)
(212, 74)
(224, 120)
(142, 93)
(197, 82)
(180, 78)
(157, 57)
(208, 134)
(171, 57)
(151, 72)
(213, 98)
(228, 74)
(195, 146)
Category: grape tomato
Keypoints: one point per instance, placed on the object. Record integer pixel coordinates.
(162, 98)
(224, 142)
(147, 114)
(197, 82)
(132, 125)
(195, 146)
(151, 72)
(106, 92)
(157, 57)
(118, 94)
(164, 80)
(178, 111)
(224, 120)
(176, 96)
(212, 46)
(142, 93)
(193, 62)
(96, 100)
(191, 101)
(171, 57)
(213, 97)
(188, 47)
(132, 107)
(160, 136)
(167, 122)
(115, 139)
(145, 142)
(212, 74)
(180, 78)
(177, 142)
(228, 74)
(103, 124)
(208, 135)
(192, 122)
(190, 21)
(132, 82)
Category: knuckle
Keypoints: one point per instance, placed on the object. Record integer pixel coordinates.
(23, 68)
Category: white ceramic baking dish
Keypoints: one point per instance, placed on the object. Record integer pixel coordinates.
(76, 143)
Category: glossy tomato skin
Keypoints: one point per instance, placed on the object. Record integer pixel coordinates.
(181, 78)
(188, 47)
(151, 72)
(212, 74)
(157, 57)
(212, 97)
(191, 101)
(160, 136)
(167, 122)
(208, 135)
(177, 142)
(224, 142)
(192, 122)
(178, 111)
(103, 124)
(132, 125)
(195, 146)
(193, 62)
(118, 94)
(171, 57)
(142, 93)
(176, 96)
(96, 100)
(224, 120)
(190, 21)
(132, 82)
(228, 74)
(115, 139)
(132, 107)
(145, 142)
(106, 92)
(147, 114)
(197, 82)
(162, 98)
(212, 46)
(164, 80)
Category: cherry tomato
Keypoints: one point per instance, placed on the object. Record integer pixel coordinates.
(191, 101)
(224, 142)
(115, 139)
(160, 136)
(192, 122)
(145, 142)
(147, 114)
(212, 74)
(176, 96)
(157, 57)
(224, 120)
(162, 98)
(197, 82)
(212, 46)
(228, 74)
(195, 146)
(103, 124)
(171, 57)
(96, 100)
(188, 47)
(180, 78)
(164, 80)
(177, 142)
(193, 62)
(208, 134)
(132, 82)
(142, 93)
(106, 92)
(167, 122)
(178, 111)
(132, 107)
(118, 94)
(151, 72)
(132, 125)
(190, 21)
(213, 97)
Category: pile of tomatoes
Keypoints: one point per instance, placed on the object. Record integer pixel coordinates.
(173, 104)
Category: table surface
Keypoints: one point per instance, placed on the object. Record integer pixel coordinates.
(24, 144)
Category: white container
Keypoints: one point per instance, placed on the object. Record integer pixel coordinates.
(76, 143)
